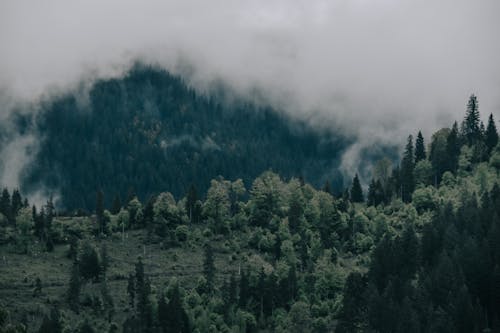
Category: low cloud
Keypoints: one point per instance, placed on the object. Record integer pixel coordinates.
(376, 69)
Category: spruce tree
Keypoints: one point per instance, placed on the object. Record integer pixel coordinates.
(131, 290)
(471, 129)
(17, 202)
(419, 148)
(452, 149)
(407, 167)
(117, 205)
(191, 198)
(356, 191)
(209, 268)
(75, 285)
(491, 135)
(5, 205)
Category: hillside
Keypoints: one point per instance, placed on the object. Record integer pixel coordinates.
(420, 252)
(149, 132)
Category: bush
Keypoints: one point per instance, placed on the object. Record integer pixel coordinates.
(181, 233)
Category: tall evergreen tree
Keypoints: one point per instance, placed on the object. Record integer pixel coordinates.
(419, 148)
(17, 202)
(471, 129)
(356, 190)
(75, 285)
(191, 198)
(209, 268)
(452, 149)
(407, 167)
(52, 324)
(131, 290)
(491, 135)
(5, 205)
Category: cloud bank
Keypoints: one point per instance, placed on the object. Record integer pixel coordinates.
(376, 68)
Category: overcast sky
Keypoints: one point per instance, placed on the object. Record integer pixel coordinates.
(380, 67)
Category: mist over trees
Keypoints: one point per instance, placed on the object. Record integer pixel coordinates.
(148, 131)
(415, 251)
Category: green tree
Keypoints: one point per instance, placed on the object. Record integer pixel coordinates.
(356, 191)
(75, 285)
(452, 149)
(209, 268)
(90, 267)
(17, 202)
(5, 205)
(24, 228)
(407, 168)
(300, 318)
(419, 148)
(52, 323)
(491, 135)
(471, 124)
(438, 154)
(191, 199)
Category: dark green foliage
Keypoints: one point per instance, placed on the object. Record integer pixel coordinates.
(452, 149)
(17, 202)
(85, 327)
(471, 125)
(131, 290)
(353, 316)
(52, 323)
(192, 209)
(151, 132)
(172, 316)
(90, 268)
(407, 167)
(5, 205)
(419, 148)
(75, 285)
(209, 268)
(491, 134)
(376, 194)
(356, 191)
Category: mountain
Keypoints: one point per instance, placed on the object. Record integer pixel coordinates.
(149, 132)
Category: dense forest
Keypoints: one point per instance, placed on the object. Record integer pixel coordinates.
(149, 132)
(418, 250)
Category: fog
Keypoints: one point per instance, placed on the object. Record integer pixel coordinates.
(380, 69)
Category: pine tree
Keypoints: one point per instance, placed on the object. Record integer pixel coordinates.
(209, 268)
(327, 188)
(90, 268)
(5, 207)
(176, 317)
(419, 148)
(117, 205)
(491, 134)
(131, 290)
(17, 202)
(191, 198)
(407, 167)
(356, 191)
(143, 290)
(452, 149)
(471, 130)
(75, 286)
(51, 324)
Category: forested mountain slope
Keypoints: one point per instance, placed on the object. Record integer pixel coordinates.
(148, 132)
(420, 252)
